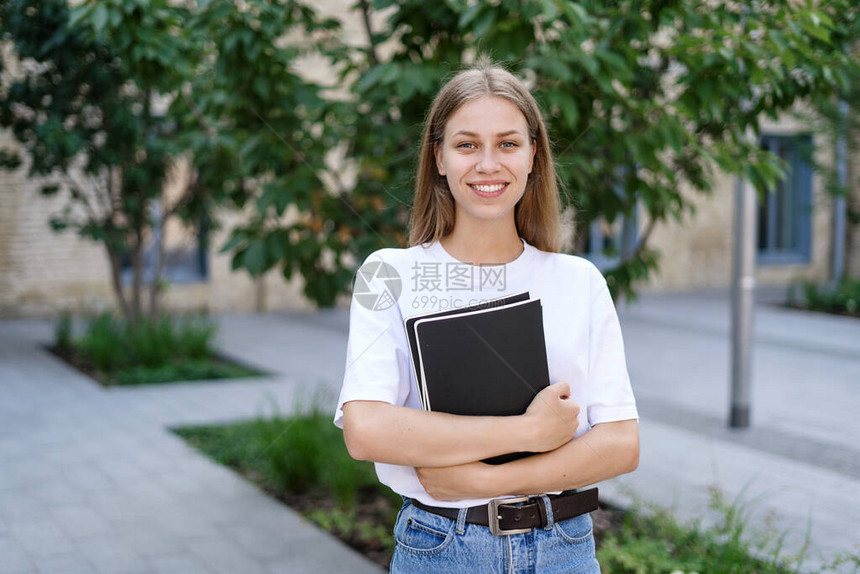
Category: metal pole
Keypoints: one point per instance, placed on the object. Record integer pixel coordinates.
(839, 207)
(743, 287)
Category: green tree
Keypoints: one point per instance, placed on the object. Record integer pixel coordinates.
(108, 96)
(85, 112)
(642, 98)
(257, 134)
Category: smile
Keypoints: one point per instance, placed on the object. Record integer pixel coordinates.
(488, 190)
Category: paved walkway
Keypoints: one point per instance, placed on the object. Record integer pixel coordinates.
(797, 467)
(92, 481)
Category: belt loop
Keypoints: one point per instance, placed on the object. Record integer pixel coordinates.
(461, 520)
(547, 507)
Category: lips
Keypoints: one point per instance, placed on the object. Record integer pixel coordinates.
(489, 189)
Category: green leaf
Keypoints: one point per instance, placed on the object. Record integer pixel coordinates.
(369, 79)
(254, 258)
(470, 14)
(234, 241)
(484, 23)
(99, 18)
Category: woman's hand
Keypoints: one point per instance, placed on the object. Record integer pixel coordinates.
(552, 418)
(471, 480)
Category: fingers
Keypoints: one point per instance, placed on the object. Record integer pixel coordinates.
(562, 389)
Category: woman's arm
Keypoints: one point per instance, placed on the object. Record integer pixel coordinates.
(382, 432)
(605, 451)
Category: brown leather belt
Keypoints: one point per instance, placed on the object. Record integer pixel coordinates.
(516, 515)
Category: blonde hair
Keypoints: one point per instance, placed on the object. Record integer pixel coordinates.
(537, 214)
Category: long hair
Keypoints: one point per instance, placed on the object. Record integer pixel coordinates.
(537, 214)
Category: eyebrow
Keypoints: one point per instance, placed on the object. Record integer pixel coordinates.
(498, 135)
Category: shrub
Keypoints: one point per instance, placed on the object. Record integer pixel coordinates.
(63, 332)
(171, 348)
(842, 299)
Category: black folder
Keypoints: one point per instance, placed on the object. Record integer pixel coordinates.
(409, 323)
(489, 361)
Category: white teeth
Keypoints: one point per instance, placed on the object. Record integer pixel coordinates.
(489, 188)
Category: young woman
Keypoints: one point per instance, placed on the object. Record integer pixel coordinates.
(485, 223)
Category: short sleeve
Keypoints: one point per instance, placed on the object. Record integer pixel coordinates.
(610, 396)
(377, 357)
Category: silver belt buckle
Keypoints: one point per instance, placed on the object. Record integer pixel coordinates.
(493, 515)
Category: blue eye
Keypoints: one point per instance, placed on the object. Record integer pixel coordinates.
(510, 144)
(467, 145)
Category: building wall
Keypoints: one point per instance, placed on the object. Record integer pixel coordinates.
(43, 272)
(697, 253)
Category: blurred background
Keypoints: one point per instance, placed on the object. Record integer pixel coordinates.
(188, 187)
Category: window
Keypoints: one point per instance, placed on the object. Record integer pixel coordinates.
(185, 255)
(606, 244)
(784, 215)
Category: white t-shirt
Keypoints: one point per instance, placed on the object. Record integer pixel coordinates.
(583, 337)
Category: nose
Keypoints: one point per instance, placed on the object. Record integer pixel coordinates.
(487, 162)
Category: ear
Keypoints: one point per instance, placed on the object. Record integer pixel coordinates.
(438, 153)
(532, 159)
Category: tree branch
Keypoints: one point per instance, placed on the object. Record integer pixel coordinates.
(365, 16)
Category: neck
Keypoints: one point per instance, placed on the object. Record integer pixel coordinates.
(486, 243)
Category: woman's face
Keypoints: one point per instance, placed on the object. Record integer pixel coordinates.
(486, 155)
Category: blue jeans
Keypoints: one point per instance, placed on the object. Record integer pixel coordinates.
(427, 543)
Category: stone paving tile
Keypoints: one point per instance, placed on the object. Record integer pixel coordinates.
(13, 558)
(11, 448)
(66, 564)
(181, 522)
(24, 471)
(223, 556)
(111, 555)
(58, 491)
(79, 520)
(87, 477)
(21, 505)
(41, 538)
(185, 563)
(118, 509)
(149, 539)
(258, 542)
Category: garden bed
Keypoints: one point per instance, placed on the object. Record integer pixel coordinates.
(302, 461)
(152, 351)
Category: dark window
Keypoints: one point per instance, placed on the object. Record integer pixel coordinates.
(784, 215)
(606, 244)
(185, 259)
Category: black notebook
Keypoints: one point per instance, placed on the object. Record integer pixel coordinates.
(409, 322)
(489, 361)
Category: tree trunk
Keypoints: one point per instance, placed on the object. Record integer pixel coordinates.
(155, 282)
(116, 280)
(137, 267)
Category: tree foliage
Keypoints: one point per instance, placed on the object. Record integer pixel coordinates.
(82, 102)
(643, 101)
(110, 95)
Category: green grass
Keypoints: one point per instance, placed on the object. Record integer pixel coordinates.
(167, 349)
(302, 460)
(650, 540)
(842, 299)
